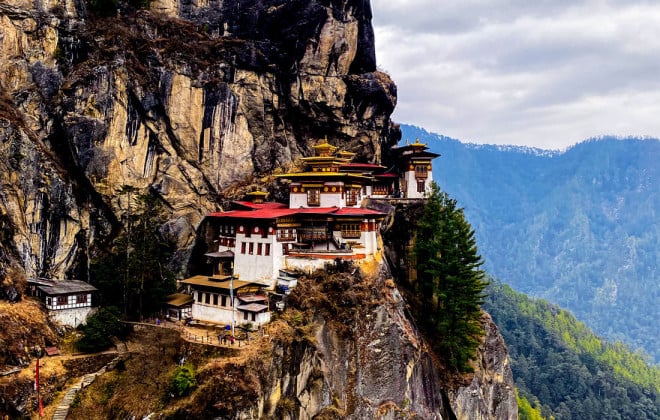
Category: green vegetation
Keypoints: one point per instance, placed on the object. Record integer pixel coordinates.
(526, 411)
(579, 228)
(183, 380)
(99, 330)
(133, 272)
(562, 367)
(449, 282)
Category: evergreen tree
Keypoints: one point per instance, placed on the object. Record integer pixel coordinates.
(450, 282)
(134, 272)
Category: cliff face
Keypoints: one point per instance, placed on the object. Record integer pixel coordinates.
(194, 101)
(348, 349)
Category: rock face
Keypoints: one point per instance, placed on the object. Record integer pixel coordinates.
(194, 101)
(354, 353)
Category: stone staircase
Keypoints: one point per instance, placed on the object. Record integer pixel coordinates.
(62, 409)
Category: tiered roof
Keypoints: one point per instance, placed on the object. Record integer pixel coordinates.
(417, 149)
(265, 211)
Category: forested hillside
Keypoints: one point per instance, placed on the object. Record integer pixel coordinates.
(563, 368)
(579, 228)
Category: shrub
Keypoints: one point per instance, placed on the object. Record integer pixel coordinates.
(183, 380)
(99, 330)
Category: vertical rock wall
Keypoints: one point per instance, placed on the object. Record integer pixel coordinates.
(361, 357)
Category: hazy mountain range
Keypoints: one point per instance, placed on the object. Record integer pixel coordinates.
(580, 228)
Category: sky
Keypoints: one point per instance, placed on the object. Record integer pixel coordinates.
(542, 73)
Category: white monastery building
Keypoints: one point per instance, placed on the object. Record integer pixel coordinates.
(324, 221)
(68, 302)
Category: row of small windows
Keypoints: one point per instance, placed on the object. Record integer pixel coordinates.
(222, 300)
(229, 242)
(248, 248)
(64, 300)
(227, 229)
(314, 196)
(207, 297)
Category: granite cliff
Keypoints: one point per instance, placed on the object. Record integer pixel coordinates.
(197, 102)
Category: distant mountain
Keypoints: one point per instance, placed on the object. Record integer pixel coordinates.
(580, 228)
(562, 368)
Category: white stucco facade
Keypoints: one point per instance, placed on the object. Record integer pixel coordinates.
(72, 317)
(223, 312)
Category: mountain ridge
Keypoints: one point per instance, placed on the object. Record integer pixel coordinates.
(578, 228)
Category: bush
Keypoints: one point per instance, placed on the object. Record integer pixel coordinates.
(99, 330)
(183, 380)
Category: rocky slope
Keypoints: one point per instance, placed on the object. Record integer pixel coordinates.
(194, 101)
(344, 348)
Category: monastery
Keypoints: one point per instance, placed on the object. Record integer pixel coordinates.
(262, 245)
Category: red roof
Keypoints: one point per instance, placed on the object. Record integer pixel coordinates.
(254, 214)
(52, 351)
(387, 175)
(352, 211)
(267, 205)
(275, 213)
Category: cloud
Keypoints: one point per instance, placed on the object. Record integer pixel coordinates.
(544, 73)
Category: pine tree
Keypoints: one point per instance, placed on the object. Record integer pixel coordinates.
(450, 282)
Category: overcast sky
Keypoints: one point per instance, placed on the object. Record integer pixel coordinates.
(544, 73)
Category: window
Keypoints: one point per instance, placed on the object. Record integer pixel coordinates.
(242, 247)
(215, 299)
(62, 300)
(286, 234)
(259, 248)
(49, 301)
(254, 316)
(313, 196)
(207, 298)
(285, 249)
(352, 196)
(224, 300)
(251, 248)
(380, 189)
(420, 185)
(81, 298)
(267, 252)
(421, 171)
(350, 230)
(245, 315)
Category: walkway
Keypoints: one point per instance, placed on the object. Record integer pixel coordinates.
(203, 333)
(62, 409)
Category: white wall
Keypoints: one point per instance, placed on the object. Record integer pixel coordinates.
(307, 265)
(223, 315)
(411, 183)
(254, 267)
(72, 317)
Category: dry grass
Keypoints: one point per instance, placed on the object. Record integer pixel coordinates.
(23, 325)
(139, 385)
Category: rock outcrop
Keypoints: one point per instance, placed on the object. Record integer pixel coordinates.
(194, 101)
(348, 349)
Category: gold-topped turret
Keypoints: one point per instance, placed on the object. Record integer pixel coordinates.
(324, 149)
(257, 196)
